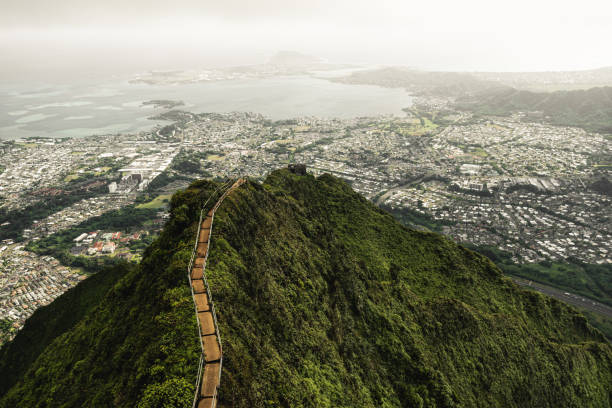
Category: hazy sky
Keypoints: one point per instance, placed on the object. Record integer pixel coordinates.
(130, 35)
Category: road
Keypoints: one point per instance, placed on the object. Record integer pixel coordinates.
(380, 200)
(573, 299)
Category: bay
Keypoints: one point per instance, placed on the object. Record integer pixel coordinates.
(115, 106)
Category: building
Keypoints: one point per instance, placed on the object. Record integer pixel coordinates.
(109, 248)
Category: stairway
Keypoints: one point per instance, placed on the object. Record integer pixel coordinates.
(211, 361)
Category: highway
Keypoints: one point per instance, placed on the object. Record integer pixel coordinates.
(567, 297)
(380, 200)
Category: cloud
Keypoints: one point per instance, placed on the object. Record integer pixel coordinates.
(436, 34)
(85, 12)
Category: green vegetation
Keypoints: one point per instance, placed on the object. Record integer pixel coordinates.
(592, 281)
(190, 162)
(167, 131)
(188, 166)
(21, 219)
(320, 142)
(603, 185)
(6, 330)
(164, 103)
(425, 118)
(412, 218)
(479, 152)
(58, 245)
(51, 321)
(185, 168)
(285, 122)
(135, 345)
(422, 124)
(323, 300)
(158, 202)
(71, 177)
(599, 321)
(164, 179)
(590, 109)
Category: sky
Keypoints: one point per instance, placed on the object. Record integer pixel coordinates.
(64, 37)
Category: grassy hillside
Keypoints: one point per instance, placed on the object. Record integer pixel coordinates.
(590, 280)
(591, 109)
(49, 322)
(322, 300)
(137, 345)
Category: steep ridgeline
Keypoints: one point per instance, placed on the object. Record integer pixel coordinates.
(322, 300)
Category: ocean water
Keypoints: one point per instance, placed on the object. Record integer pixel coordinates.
(115, 106)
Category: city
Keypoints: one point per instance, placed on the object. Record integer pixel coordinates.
(305, 204)
(469, 179)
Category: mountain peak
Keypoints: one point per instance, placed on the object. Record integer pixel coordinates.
(321, 299)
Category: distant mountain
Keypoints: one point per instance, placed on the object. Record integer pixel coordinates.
(415, 81)
(551, 80)
(591, 109)
(489, 93)
(292, 58)
(322, 300)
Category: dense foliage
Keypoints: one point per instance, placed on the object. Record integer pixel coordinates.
(409, 217)
(164, 179)
(600, 321)
(49, 322)
(590, 280)
(190, 162)
(323, 300)
(23, 218)
(137, 345)
(58, 245)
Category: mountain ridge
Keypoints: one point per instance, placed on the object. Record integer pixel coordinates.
(591, 108)
(322, 300)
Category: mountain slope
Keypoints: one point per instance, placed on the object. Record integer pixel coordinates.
(421, 82)
(591, 108)
(138, 344)
(49, 322)
(322, 300)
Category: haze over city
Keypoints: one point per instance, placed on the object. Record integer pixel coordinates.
(50, 39)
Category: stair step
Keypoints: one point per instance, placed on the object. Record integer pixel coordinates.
(204, 235)
(207, 324)
(207, 222)
(197, 272)
(201, 300)
(212, 351)
(202, 248)
(206, 403)
(198, 286)
(210, 380)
